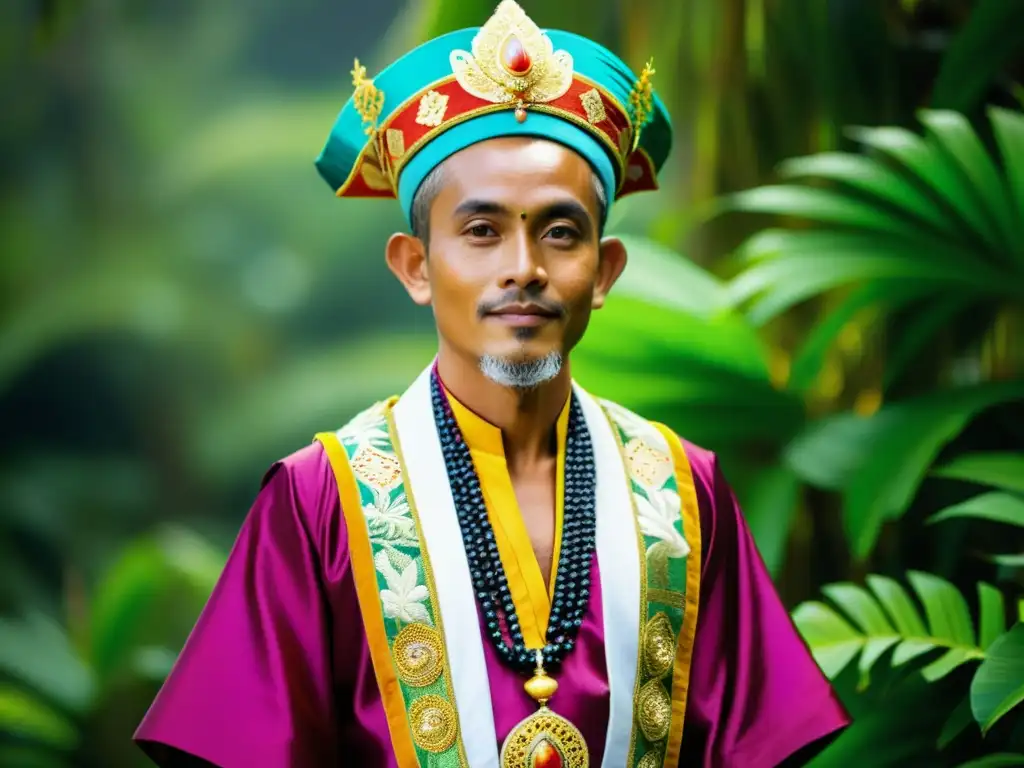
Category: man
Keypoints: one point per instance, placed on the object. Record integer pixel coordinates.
(496, 569)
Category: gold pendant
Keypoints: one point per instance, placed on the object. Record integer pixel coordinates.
(544, 739)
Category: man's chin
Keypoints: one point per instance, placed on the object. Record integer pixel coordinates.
(521, 369)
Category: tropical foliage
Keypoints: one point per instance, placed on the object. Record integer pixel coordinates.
(184, 303)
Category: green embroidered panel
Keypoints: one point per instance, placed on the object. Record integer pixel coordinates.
(408, 599)
(659, 518)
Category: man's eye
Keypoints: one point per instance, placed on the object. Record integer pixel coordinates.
(562, 233)
(481, 230)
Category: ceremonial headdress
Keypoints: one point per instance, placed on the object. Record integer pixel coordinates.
(506, 78)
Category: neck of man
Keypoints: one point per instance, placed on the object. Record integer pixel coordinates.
(526, 417)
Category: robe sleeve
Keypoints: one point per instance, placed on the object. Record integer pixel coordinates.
(253, 684)
(757, 697)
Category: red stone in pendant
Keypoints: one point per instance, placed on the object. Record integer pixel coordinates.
(514, 57)
(545, 755)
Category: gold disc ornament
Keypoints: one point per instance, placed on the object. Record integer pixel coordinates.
(544, 739)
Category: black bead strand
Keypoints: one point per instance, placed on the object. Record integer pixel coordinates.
(572, 579)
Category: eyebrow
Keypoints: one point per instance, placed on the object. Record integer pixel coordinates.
(475, 207)
(568, 209)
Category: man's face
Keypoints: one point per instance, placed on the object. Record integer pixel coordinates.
(514, 264)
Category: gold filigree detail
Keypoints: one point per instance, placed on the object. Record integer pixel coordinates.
(654, 710)
(482, 73)
(545, 725)
(396, 142)
(434, 723)
(652, 759)
(641, 101)
(375, 468)
(666, 597)
(659, 645)
(648, 467)
(593, 105)
(419, 655)
(432, 107)
(367, 99)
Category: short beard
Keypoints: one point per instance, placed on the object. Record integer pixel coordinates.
(521, 374)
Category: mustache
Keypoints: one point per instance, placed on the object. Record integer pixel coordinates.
(488, 306)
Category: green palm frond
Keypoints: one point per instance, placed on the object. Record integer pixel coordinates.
(866, 623)
(869, 622)
(934, 222)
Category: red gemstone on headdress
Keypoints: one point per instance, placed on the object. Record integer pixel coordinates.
(545, 755)
(514, 56)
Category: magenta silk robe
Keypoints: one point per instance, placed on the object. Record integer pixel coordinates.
(277, 671)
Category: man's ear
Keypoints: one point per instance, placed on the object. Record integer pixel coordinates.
(610, 264)
(407, 259)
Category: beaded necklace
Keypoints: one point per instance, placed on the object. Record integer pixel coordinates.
(543, 738)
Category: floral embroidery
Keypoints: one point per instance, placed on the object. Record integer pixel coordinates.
(665, 551)
(658, 514)
(390, 519)
(368, 429)
(404, 596)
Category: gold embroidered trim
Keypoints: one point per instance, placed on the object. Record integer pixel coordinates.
(593, 105)
(434, 723)
(654, 710)
(418, 652)
(659, 645)
(432, 107)
(666, 597)
(396, 446)
(652, 759)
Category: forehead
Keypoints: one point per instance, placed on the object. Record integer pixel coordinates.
(520, 165)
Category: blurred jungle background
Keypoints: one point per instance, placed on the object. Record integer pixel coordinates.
(828, 291)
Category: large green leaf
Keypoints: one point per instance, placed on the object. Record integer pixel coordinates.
(1009, 130)
(867, 175)
(789, 267)
(977, 53)
(998, 760)
(898, 731)
(953, 133)
(998, 685)
(939, 176)
(995, 506)
(1000, 469)
(823, 206)
(659, 275)
(871, 621)
(135, 586)
(706, 377)
(878, 462)
(37, 652)
(27, 717)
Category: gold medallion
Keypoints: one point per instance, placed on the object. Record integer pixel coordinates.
(434, 723)
(659, 645)
(419, 654)
(544, 739)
